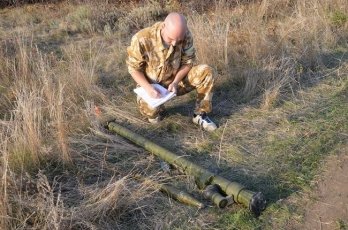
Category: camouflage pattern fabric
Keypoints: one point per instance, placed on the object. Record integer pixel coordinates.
(148, 54)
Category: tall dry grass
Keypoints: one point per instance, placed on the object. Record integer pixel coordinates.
(44, 106)
(47, 95)
(47, 111)
(269, 44)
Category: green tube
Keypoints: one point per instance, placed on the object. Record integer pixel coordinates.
(185, 165)
(254, 201)
(181, 196)
(212, 192)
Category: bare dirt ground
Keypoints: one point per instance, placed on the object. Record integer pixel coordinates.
(329, 206)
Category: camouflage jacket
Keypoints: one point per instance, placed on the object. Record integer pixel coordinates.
(148, 54)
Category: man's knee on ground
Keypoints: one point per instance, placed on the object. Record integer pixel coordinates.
(146, 110)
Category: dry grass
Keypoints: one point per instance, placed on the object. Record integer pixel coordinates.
(61, 170)
(246, 42)
(45, 101)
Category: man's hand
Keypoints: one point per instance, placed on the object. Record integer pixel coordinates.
(140, 78)
(153, 92)
(173, 87)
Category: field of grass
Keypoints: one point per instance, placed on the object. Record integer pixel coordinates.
(281, 103)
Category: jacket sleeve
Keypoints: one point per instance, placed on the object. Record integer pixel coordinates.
(135, 59)
(189, 53)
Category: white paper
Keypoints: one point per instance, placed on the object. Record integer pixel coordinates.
(155, 102)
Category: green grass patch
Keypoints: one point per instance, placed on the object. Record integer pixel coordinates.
(318, 133)
(339, 18)
(291, 159)
(341, 224)
(241, 219)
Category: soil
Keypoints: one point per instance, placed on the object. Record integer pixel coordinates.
(328, 208)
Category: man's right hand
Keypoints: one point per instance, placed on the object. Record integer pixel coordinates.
(153, 92)
(139, 78)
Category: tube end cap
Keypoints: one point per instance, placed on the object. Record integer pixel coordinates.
(257, 204)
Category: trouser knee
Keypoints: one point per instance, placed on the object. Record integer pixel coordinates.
(146, 110)
(201, 77)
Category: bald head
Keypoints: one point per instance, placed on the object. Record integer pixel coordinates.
(174, 29)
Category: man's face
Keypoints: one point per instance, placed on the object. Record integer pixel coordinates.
(172, 36)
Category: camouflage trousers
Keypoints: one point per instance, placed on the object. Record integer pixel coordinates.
(201, 78)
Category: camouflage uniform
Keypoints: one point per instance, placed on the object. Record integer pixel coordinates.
(159, 63)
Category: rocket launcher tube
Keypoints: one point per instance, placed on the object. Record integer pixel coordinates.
(185, 165)
(254, 201)
(181, 196)
(212, 192)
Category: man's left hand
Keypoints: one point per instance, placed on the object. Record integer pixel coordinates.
(173, 87)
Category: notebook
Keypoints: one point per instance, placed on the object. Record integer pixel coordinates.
(155, 102)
